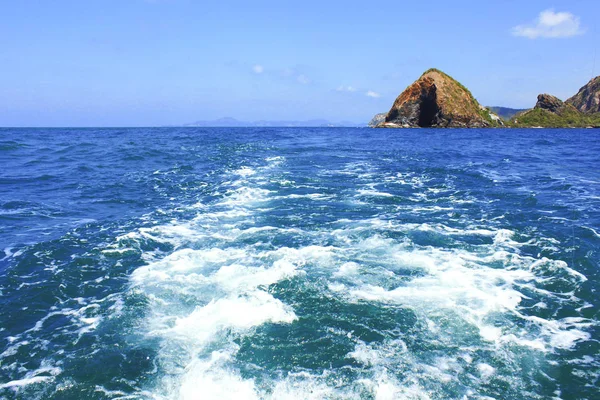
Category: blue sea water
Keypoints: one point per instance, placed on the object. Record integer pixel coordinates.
(188, 263)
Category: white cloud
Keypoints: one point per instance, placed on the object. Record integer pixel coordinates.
(343, 88)
(286, 74)
(303, 79)
(550, 24)
(373, 94)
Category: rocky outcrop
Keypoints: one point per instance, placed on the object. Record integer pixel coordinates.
(587, 100)
(549, 103)
(377, 119)
(437, 100)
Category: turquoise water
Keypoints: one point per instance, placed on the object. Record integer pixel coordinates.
(188, 263)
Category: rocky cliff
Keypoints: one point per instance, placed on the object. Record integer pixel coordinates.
(587, 100)
(377, 119)
(437, 100)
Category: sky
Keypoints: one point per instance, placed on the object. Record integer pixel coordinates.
(170, 62)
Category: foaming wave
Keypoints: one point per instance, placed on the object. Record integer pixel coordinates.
(467, 286)
(45, 373)
(200, 299)
(482, 308)
(478, 300)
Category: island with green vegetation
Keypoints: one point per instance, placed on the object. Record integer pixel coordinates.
(580, 111)
(436, 100)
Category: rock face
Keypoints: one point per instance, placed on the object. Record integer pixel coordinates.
(587, 100)
(377, 119)
(437, 100)
(550, 103)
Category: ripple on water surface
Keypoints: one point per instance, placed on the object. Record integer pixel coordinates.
(357, 309)
(359, 278)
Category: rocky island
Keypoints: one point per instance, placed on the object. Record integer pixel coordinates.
(436, 100)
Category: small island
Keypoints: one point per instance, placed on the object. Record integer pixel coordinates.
(436, 100)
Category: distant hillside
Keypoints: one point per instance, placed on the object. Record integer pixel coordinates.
(506, 113)
(233, 123)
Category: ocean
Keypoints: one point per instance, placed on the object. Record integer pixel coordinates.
(299, 263)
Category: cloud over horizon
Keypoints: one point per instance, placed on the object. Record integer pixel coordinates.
(290, 74)
(303, 79)
(550, 24)
(352, 89)
(343, 88)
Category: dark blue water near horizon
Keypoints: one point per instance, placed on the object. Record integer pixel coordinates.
(299, 263)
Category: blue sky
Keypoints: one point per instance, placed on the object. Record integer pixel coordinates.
(161, 62)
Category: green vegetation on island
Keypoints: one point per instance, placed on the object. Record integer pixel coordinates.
(551, 112)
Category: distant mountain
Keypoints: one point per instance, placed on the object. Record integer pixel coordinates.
(221, 122)
(233, 123)
(506, 112)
